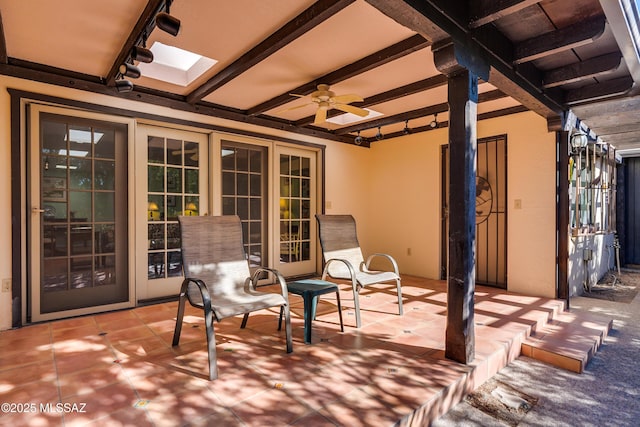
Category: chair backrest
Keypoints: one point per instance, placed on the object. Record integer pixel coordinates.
(213, 251)
(338, 239)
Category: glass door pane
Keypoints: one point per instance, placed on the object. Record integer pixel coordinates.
(296, 207)
(176, 171)
(79, 214)
(244, 194)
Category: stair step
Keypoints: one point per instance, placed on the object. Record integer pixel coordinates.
(568, 340)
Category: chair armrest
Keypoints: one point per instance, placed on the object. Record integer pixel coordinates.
(388, 257)
(352, 271)
(279, 277)
(202, 287)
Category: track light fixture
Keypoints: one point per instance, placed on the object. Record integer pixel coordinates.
(406, 130)
(124, 85)
(130, 70)
(358, 140)
(168, 23)
(434, 122)
(379, 135)
(141, 54)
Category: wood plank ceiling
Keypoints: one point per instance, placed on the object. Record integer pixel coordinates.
(548, 56)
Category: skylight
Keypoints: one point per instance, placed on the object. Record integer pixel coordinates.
(83, 136)
(174, 65)
(349, 118)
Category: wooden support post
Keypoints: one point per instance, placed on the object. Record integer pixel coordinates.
(463, 68)
(562, 215)
(463, 99)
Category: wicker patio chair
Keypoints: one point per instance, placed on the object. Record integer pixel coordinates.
(218, 280)
(344, 260)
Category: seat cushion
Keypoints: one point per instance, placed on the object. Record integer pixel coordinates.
(228, 305)
(370, 277)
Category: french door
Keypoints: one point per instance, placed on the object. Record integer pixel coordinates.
(171, 180)
(79, 201)
(295, 209)
(273, 189)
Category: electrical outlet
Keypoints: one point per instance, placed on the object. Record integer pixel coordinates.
(6, 285)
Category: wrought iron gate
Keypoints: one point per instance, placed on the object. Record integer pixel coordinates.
(491, 213)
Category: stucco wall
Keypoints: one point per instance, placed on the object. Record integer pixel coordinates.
(405, 191)
(406, 182)
(393, 190)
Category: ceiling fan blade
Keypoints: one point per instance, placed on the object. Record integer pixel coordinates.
(321, 116)
(294, 107)
(351, 109)
(347, 99)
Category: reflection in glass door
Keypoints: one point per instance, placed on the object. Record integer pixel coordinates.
(79, 214)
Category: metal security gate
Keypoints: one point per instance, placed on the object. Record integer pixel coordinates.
(491, 214)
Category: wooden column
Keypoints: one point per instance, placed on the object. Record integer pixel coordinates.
(463, 99)
(462, 69)
(562, 215)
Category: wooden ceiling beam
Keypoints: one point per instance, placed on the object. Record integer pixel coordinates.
(386, 55)
(486, 11)
(570, 37)
(64, 78)
(3, 43)
(301, 24)
(594, 67)
(491, 95)
(599, 91)
(445, 123)
(390, 95)
(439, 19)
(146, 22)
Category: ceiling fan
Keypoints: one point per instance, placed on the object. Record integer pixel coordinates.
(327, 100)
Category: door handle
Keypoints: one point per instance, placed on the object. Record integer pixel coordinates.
(37, 210)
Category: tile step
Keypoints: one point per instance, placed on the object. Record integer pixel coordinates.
(568, 340)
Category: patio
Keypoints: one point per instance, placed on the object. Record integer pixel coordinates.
(120, 369)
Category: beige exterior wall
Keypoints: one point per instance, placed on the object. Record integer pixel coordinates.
(392, 189)
(405, 211)
(531, 153)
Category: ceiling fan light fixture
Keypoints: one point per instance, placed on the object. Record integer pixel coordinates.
(124, 85)
(130, 70)
(142, 54)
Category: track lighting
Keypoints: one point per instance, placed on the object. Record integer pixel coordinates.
(358, 139)
(124, 85)
(130, 70)
(434, 122)
(142, 54)
(168, 23)
(379, 135)
(406, 130)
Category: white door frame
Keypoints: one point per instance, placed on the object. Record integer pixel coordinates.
(157, 288)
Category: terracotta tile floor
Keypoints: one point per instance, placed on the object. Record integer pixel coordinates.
(120, 369)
